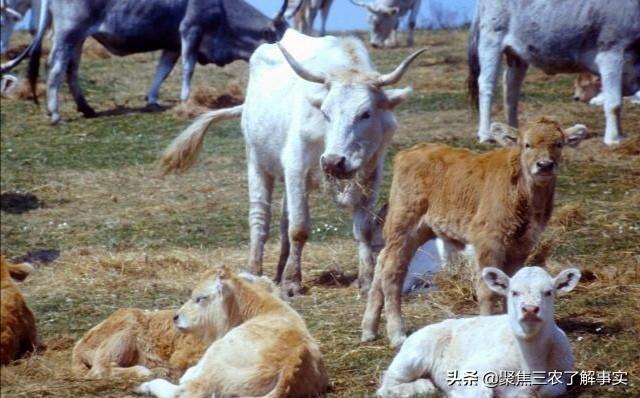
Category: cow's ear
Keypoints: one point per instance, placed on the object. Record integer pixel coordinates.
(19, 272)
(394, 97)
(504, 134)
(574, 135)
(566, 281)
(497, 280)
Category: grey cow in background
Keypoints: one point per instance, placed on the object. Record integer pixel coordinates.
(304, 19)
(384, 19)
(596, 36)
(206, 31)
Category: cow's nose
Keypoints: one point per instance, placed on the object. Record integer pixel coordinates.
(576, 98)
(175, 317)
(545, 164)
(376, 45)
(333, 164)
(530, 309)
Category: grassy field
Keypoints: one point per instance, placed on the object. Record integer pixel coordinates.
(129, 237)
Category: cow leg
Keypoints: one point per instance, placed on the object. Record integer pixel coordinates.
(324, 14)
(363, 230)
(511, 85)
(489, 53)
(298, 211)
(61, 54)
(190, 44)
(260, 189)
(610, 68)
(375, 300)
(412, 22)
(285, 245)
(36, 6)
(311, 18)
(488, 254)
(167, 61)
(73, 80)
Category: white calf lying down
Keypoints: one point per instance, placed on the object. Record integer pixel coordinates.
(525, 339)
(261, 346)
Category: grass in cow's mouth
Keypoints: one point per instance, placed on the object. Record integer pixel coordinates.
(131, 238)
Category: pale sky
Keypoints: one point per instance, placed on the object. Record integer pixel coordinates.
(346, 16)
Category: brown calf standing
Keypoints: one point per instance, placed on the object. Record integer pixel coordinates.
(17, 324)
(499, 202)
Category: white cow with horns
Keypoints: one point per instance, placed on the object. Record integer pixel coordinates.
(314, 104)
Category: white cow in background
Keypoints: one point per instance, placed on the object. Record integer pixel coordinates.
(11, 12)
(558, 37)
(305, 17)
(315, 107)
(384, 20)
(526, 339)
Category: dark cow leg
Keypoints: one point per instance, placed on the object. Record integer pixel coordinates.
(512, 83)
(285, 244)
(260, 189)
(167, 61)
(73, 80)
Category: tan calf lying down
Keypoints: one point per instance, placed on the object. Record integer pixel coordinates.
(18, 333)
(262, 346)
(499, 202)
(131, 342)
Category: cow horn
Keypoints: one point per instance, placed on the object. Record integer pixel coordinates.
(282, 11)
(300, 70)
(396, 75)
(368, 6)
(294, 10)
(5, 8)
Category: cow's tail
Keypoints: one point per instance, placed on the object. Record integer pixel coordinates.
(182, 153)
(473, 61)
(34, 50)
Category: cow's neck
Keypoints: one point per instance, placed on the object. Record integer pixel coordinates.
(534, 348)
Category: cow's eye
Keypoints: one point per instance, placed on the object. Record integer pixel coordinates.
(200, 299)
(547, 293)
(365, 115)
(515, 294)
(558, 144)
(527, 146)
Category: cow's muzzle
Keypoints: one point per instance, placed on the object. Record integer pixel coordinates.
(335, 166)
(545, 167)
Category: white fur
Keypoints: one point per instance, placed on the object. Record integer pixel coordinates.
(489, 343)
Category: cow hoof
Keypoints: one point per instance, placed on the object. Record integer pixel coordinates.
(368, 336)
(613, 141)
(396, 341)
(291, 289)
(88, 112)
(153, 107)
(483, 138)
(55, 119)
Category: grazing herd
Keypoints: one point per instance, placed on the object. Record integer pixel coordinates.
(317, 111)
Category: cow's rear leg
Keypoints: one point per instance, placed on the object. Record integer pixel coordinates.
(189, 48)
(118, 351)
(260, 189)
(511, 84)
(489, 53)
(610, 68)
(73, 79)
(488, 254)
(375, 300)
(285, 245)
(167, 61)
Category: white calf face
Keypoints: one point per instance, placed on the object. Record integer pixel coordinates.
(359, 126)
(207, 311)
(530, 293)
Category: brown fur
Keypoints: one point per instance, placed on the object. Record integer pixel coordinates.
(492, 201)
(261, 346)
(132, 341)
(18, 334)
(586, 86)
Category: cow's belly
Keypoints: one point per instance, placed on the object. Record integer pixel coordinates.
(552, 55)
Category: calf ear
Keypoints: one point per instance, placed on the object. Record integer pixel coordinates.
(19, 272)
(573, 135)
(497, 280)
(394, 97)
(503, 134)
(566, 281)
